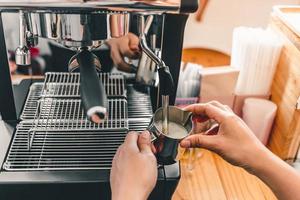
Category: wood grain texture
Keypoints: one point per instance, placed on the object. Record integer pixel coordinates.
(239, 184)
(202, 182)
(205, 57)
(289, 15)
(17, 78)
(212, 178)
(285, 137)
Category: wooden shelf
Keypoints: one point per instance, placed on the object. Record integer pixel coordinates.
(285, 136)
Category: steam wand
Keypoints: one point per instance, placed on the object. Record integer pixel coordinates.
(166, 83)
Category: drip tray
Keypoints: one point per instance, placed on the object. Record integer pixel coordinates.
(67, 85)
(68, 114)
(62, 150)
(55, 134)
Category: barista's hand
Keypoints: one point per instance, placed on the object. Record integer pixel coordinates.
(232, 139)
(134, 171)
(235, 142)
(126, 46)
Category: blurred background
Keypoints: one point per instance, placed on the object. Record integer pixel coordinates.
(220, 17)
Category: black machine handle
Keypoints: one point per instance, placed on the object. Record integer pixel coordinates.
(166, 82)
(93, 94)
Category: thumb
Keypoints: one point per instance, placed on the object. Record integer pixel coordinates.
(134, 42)
(144, 142)
(198, 140)
(135, 48)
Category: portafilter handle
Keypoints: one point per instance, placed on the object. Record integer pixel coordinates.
(92, 91)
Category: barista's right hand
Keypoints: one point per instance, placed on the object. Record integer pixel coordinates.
(236, 143)
(126, 46)
(231, 139)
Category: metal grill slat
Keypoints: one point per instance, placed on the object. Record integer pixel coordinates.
(65, 140)
(58, 114)
(32, 101)
(66, 85)
(63, 150)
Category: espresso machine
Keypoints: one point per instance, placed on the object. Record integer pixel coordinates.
(58, 135)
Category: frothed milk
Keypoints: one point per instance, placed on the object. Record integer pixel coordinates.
(175, 130)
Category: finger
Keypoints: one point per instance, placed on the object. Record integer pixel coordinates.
(129, 46)
(208, 110)
(116, 156)
(131, 140)
(119, 61)
(144, 142)
(125, 50)
(115, 54)
(154, 151)
(199, 118)
(217, 104)
(130, 53)
(123, 66)
(204, 141)
(221, 106)
(134, 42)
(213, 130)
(118, 152)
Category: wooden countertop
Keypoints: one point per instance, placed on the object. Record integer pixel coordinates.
(212, 178)
(17, 78)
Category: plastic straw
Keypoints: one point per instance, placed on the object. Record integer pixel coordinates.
(256, 53)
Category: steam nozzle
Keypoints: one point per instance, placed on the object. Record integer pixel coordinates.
(166, 82)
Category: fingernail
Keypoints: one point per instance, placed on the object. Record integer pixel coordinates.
(185, 144)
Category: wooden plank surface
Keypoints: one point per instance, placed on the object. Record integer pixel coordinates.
(212, 178)
(205, 57)
(290, 16)
(16, 79)
(202, 182)
(239, 184)
(285, 137)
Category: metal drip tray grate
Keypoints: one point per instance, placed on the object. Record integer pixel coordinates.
(31, 104)
(63, 150)
(59, 85)
(139, 124)
(56, 135)
(139, 104)
(57, 114)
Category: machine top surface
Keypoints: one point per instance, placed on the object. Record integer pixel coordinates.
(157, 6)
(110, 5)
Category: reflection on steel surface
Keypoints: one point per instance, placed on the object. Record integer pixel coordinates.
(117, 5)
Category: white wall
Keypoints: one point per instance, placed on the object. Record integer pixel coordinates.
(220, 18)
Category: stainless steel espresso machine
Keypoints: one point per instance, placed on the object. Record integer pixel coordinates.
(58, 135)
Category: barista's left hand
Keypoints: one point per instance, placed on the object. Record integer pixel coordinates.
(126, 46)
(134, 170)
